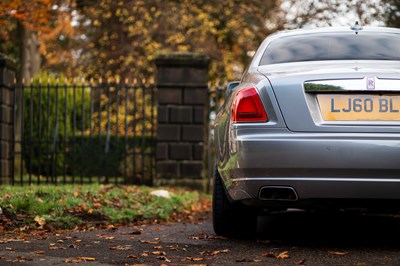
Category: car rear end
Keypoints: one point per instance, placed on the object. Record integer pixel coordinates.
(329, 128)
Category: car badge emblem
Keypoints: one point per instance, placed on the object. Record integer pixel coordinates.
(370, 83)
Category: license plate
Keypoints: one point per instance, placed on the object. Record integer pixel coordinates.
(350, 107)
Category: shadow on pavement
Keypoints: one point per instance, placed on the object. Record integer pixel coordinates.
(346, 229)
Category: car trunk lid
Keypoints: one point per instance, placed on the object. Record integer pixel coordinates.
(341, 96)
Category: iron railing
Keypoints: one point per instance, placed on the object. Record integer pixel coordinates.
(84, 133)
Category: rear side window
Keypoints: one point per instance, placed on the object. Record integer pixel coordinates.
(333, 46)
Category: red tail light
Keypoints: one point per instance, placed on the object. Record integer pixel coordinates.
(247, 107)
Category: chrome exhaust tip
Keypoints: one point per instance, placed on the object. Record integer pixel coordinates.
(279, 193)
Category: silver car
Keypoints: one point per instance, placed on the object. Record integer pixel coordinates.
(314, 124)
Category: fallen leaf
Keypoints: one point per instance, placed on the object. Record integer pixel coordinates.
(194, 259)
(38, 252)
(87, 258)
(121, 248)
(158, 247)
(135, 232)
(283, 255)
(215, 252)
(300, 262)
(22, 259)
(149, 242)
(72, 260)
(175, 248)
(112, 227)
(10, 249)
(78, 241)
(338, 253)
(97, 205)
(163, 258)
(159, 253)
(133, 257)
(40, 220)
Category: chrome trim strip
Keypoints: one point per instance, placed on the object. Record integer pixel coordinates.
(339, 85)
(387, 180)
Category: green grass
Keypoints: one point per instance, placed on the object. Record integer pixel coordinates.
(69, 206)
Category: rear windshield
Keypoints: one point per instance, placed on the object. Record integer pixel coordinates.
(333, 46)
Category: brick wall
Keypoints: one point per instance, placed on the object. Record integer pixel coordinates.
(6, 121)
(182, 102)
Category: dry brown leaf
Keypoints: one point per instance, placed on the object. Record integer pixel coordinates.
(175, 248)
(338, 253)
(163, 258)
(159, 253)
(145, 254)
(268, 255)
(10, 249)
(194, 259)
(283, 255)
(135, 232)
(149, 242)
(72, 260)
(121, 248)
(158, 247)
(215, 252)
(300, 262)
(87, 258)
(97, 205)
(38, 252)
(133, 257)
(22, 259)
(40, 220)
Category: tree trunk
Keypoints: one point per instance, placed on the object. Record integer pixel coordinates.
(29, 52)
(29, 65)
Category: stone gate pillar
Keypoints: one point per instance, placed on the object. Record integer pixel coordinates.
(182, 103)
(7, 75)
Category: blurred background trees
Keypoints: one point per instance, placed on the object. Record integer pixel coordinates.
(109, 38)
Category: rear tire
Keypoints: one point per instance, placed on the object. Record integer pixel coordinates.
(230, 219)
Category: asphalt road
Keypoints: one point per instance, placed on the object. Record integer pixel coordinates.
(298, 238)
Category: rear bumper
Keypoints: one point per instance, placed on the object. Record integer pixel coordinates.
(317, 166)
(320, 188)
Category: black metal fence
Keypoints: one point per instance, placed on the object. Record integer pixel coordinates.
(84, 133)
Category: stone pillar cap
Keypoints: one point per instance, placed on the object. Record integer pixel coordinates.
(182, 59)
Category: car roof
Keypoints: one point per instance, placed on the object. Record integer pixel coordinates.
(294, 32)
(286, 33)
